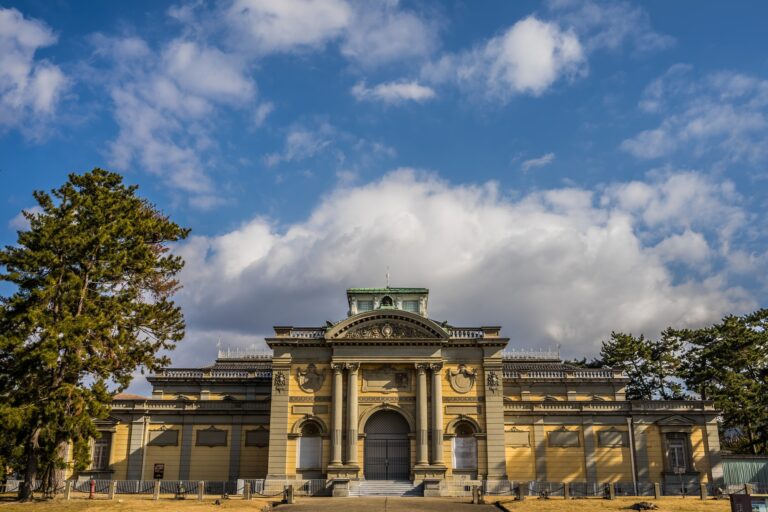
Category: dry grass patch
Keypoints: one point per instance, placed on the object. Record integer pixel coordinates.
(133, 504)
(689, 504)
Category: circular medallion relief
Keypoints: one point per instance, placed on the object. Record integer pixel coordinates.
(386, 330)
(462, 379)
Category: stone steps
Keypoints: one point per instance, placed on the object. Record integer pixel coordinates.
(385, 488)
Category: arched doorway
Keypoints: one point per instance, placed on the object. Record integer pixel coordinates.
(387, 447)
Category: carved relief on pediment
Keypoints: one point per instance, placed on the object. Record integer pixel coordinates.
(310, 380)
(386, 330)
(462, 379)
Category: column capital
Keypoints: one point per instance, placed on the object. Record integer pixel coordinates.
(436, 367)
(337, 367)
(352, 367)
(422, 367)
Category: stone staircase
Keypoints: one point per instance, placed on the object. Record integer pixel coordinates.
(385, 488)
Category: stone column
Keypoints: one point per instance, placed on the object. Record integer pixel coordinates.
(437, 413)
(336, 419)
(422, 435)
(352, 415)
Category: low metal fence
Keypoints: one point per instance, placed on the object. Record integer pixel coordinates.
(449, 487)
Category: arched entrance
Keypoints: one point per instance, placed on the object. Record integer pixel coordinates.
(387, 447)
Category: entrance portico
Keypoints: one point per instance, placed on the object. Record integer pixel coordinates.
(384, 361)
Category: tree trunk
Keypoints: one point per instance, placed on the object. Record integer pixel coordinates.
(26, 489)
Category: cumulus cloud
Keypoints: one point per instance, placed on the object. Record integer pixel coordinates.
(393, 92)
(721, 116)
(369, 34)
(285, 25)
(555, 266)
(528, 58)
(541, 161)
(165, 105)
(30, 88)
(381, 32)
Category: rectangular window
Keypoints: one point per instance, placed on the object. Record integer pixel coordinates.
(364, 305)
(677, 451)
(310, 452)
(100, 453)
(464, 453)
(411, 305)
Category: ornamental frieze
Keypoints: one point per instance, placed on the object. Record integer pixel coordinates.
(386, 330)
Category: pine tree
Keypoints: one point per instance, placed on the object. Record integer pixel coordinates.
(728, 363)
(653, 366)
(94, 278)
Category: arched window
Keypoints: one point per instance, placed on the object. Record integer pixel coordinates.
(310, 447)
(386, 302)
(465, 446)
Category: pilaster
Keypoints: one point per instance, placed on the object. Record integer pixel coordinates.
(278, 422)
(494, 420)
(136, 447)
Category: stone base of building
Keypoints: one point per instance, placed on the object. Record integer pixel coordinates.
(423, 473)
(343, 472)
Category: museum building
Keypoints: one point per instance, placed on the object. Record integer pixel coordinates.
(389, 394)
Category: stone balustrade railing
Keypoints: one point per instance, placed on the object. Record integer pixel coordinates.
(183, 373)
(466, 332)
(187, 405)
(597, 373)
(610, 406)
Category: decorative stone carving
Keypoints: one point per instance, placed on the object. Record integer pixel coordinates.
(385, 330)
(280, 381)
(352, 366)
(462, 379)
(310, 380)
(492, 382)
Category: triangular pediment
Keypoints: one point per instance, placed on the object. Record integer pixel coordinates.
(675, 421)
(392, 325)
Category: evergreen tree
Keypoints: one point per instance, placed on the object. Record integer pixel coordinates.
(651, 365)
(728, 363)
(93, 280)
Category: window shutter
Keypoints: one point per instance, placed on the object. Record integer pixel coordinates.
(464, 453)
(310, 452)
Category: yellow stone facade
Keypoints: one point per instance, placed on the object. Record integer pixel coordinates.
(388, 393)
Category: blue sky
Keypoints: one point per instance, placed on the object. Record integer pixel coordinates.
(560, 168)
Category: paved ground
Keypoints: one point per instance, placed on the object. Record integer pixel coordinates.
(383, 504)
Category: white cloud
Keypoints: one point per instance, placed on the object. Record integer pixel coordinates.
(610, 25)
(30, 88)
(393, 92)
(541, 161)
(302, 143)
(261, 112)
(528, 58)
(557, 266)
(166, 104)
(722, 116)
(380, 33)
(20, 222)
(286, 25)
(370, 34)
